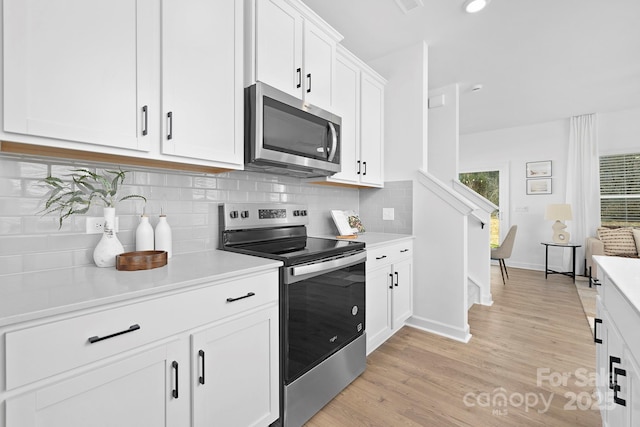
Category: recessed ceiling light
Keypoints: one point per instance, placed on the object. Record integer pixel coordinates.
(473, 6)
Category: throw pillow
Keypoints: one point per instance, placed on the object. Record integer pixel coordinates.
(636, 237)
(617, 241)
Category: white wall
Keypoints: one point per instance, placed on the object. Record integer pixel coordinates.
(617, 133)
(405, 110)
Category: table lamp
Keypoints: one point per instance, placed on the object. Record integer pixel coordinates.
(559, 213)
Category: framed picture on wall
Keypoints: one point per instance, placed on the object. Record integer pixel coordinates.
(538, 169)
(539, 186)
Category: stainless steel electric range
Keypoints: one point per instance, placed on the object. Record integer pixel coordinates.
(322, 302)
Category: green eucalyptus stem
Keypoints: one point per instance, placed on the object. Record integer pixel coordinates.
(85, 189)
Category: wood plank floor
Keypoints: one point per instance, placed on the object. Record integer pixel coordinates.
(530, 362)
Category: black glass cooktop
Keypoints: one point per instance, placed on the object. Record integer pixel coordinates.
(297, 250)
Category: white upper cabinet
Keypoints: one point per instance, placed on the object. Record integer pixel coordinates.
(292, 49)
(359, 101)
(77, 70)
(202, 92)
(118, 77)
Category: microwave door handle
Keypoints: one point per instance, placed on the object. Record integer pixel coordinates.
(334, 141)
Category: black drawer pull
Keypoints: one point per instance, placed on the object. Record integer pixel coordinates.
(106, 337)
(201, 354)
(612, 360)
(250, 294)
(616, 387)
(174, 392)
(381, 257)
(595, 331)
(404, 250)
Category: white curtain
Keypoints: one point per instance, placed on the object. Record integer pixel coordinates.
(583, 183)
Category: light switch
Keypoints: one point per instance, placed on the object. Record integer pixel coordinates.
(388, 214)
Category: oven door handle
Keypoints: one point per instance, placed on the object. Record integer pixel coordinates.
(328, 265)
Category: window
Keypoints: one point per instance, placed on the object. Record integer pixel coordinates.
(620, 190)
(486, 184)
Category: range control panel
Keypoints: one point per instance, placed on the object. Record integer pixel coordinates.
(235, 216)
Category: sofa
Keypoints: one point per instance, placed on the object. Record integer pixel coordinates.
(621, 241)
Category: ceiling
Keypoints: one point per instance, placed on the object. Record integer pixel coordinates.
(538, 60)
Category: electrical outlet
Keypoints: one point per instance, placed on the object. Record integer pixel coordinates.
(388, 214)
(95, 225)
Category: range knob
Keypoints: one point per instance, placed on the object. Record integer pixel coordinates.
(296, 213)
(233, 214)
(303, 212)
(244, 214)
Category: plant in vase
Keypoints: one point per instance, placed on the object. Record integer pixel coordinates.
(76, 196)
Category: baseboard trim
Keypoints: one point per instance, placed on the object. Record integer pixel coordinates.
(438, 328)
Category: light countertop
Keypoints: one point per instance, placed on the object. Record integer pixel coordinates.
(30, 296)
(373, 239)
(625, 273)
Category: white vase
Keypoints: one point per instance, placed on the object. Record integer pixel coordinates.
(144, 235)
(163, 236)
(104, 255)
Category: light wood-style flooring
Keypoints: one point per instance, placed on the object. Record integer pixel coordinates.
(530, 362)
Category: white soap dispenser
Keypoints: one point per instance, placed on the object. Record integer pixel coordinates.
(144, 234)
(163, 235)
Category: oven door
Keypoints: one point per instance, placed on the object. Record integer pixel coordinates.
(324, 310)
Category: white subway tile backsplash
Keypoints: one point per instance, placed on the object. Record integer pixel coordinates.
(30, 242)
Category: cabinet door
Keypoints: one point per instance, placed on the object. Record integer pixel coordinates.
(202, 79)
(402, 292)
(372, 131)
(77, 70)
(279, 46)
(617, 414)
(633, 374)
(378, 318)
(235, 372)
(132, 392)
(319, 66)
(347, 106)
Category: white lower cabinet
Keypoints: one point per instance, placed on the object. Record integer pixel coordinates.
(233, 383)
(389, 291)
(216, 364)
(130, 392)
(617, 368)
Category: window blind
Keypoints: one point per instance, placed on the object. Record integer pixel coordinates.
(620, 189)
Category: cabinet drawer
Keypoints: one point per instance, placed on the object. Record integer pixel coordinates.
(387, 255)
(52, 348)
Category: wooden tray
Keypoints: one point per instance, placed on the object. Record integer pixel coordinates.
(141, 260)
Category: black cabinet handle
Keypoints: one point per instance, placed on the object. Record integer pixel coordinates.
(299, 71)
(358, 173)
(396, 273)
(612, 360)
(616, 387)
(201, 354)
(381, 257)
(250, 294)
(106, 337)
(391, 285)
(174, 392)
(170, 125)
(596, 282)
(145, 120)
(404, 250)
(596, 321)
(364, 166)
(309, 85)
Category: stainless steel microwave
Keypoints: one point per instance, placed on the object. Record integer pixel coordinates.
(284, 135)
